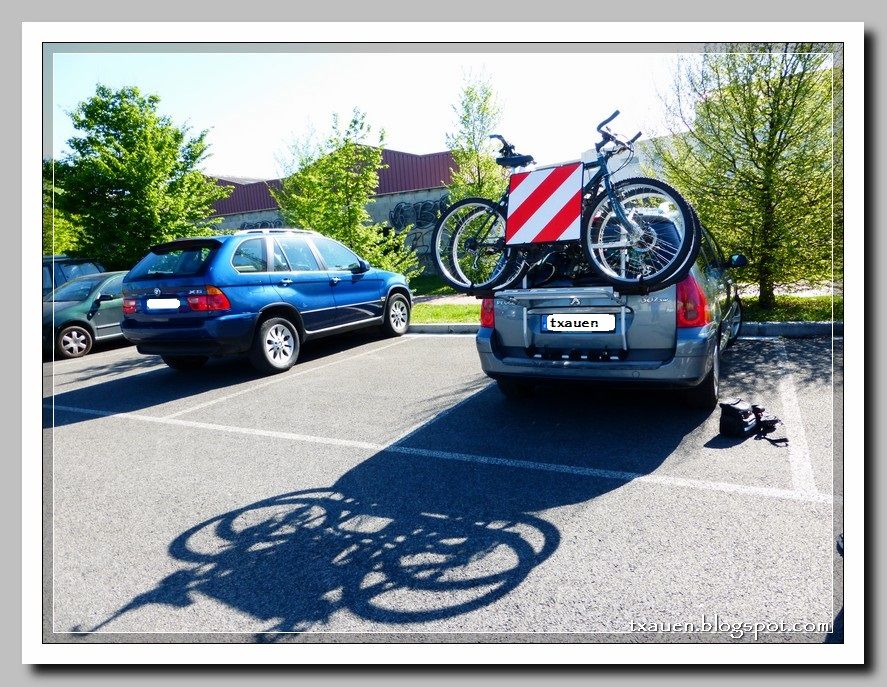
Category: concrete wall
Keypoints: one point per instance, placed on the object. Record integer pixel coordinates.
(383, 205)
(379, 209)
(267, 218)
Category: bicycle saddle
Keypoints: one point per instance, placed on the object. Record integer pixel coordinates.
(515, 160)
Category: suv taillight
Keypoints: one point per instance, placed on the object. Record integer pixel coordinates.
(487, 313)
(129, 306)
(213, 299)
(692, 310)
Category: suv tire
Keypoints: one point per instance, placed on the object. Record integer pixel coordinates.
(275, 347)
(397, 316)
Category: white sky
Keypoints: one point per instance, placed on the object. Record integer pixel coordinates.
(256, 104)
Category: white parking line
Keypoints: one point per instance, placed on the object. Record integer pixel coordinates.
(93, 357)
(281, 378)
(798, 450)
(615, 475)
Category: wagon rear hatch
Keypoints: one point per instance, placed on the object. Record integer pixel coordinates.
(592, 324)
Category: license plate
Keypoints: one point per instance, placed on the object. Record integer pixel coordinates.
(163, 304)
(579, 322)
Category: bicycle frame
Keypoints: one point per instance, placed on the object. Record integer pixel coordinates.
(590, 190)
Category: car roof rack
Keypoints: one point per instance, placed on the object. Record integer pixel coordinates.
(279, 230)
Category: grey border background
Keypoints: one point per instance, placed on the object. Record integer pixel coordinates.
(321, 637)
(759, 10)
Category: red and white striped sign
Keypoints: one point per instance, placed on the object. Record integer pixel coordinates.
(544, 205)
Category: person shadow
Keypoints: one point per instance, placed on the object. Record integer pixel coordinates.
(441, 523)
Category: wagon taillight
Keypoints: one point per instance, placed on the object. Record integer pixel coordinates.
(487, 313)
(692, 306)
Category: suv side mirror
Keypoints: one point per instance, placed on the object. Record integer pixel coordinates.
(361, 266)
(105, 297)
(737, 260)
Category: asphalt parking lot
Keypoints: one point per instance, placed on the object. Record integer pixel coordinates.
(385, 486)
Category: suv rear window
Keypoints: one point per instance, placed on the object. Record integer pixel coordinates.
(164, 261)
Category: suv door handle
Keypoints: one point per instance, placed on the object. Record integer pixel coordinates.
(286, 282)
(335, 280)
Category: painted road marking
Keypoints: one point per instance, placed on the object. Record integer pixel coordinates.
(615, 475)
(280, 378)
(798, 450)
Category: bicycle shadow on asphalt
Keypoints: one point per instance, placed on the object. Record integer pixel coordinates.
(404, 538)
(154, 387)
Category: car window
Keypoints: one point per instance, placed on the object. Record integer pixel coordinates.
(706, 250)
(719, 254)
(335, 255)
(47, 278)
(72, 270)
(114, 286)
(279, 259)
(179, 262)
(77, 290)
(250, 256)
(298, 253)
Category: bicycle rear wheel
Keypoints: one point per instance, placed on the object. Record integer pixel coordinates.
(469, 246)
(659, 246)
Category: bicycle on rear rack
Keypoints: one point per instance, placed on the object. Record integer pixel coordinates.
(636, 234)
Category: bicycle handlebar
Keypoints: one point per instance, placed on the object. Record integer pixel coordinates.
(607, 121)
(507, 148)
(607, 136)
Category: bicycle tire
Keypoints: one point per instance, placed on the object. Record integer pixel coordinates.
(445, 247)
(676, 275)
(677, 266)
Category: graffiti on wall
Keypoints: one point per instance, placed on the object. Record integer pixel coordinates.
(263, 224)
(419, 219)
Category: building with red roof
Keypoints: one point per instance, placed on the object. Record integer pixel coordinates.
(408, 179)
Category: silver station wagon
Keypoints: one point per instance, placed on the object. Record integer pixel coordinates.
(671, 338)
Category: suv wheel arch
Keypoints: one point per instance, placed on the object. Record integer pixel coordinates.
(401, 289)
(284, 310)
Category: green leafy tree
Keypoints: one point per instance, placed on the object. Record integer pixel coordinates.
(61, 231)
(132, 177)
(477, 116)
(330, 187)
(752, 150)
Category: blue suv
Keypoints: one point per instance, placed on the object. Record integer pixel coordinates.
(261, 292)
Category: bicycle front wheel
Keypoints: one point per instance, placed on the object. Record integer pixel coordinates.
(469, 246)
(657, 244)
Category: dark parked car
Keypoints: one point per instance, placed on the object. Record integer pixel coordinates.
(81, 312)
(261, 292)
(670, 338)
(58, 269)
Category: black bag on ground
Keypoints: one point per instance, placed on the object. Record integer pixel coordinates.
(737, 419)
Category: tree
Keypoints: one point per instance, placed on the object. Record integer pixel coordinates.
(330, 187)
(61, 231)
(477, 115)
(132, 178)
(751, 148)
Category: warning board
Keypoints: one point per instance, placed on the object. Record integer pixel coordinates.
(544, 205)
